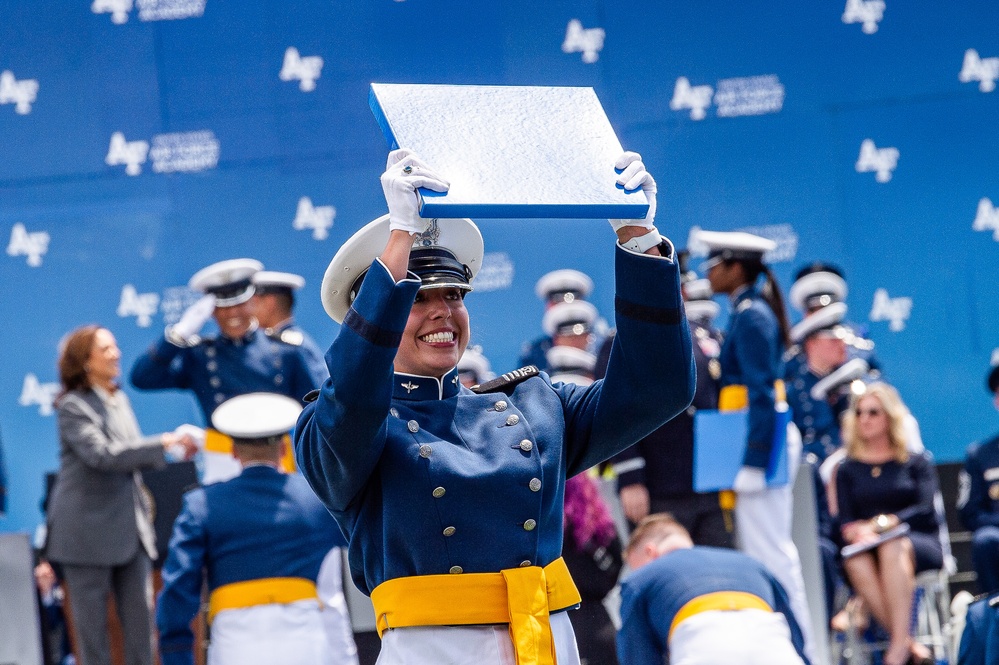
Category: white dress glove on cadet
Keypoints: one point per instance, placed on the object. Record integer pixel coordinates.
(404, 174)
(633, 175)
(192, 320)
(750, 479)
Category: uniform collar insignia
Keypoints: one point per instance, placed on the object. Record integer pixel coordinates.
(413, 387)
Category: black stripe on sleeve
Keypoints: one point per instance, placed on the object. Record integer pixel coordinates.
(669, 316)
(370, 332)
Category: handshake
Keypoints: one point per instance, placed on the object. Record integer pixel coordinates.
(183, 443)
(405, 172)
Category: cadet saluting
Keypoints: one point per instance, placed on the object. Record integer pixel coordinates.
(452, 495)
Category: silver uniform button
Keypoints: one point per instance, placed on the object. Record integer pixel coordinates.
(219, 398)
(456, 570)
(439, 492)
(394, 412)
(425, 450)
(512, 419)
(413, 426)
(529, 525)
(449, 531)
(526, 445)
(215, 381)
(210, 352)
(525, 563)
(500, 405)
(211, 365)
(535, 484)
(278, 380)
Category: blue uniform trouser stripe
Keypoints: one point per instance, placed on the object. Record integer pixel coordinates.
(669, 316)
(370, 332)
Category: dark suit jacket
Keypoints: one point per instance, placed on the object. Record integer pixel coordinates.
(98, 514)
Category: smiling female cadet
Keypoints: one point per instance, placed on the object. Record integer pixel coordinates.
(452, 498)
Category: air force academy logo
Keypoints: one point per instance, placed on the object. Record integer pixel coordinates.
(696, 98)
(983, 70)
(588, 41)
(867, 12)
(881, 161)
(140, 305)
(130, 153)
(895, 310)
(317, 218)
(987, 218)
(21, 94)
(41, 394)
(306, 69)
(118, 9)
(32, 245)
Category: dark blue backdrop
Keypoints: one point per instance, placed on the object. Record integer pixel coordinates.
(234, 151)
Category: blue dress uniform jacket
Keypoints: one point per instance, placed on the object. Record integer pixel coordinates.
(426, 477)
(258, 525)
(218, 368)
(817, 419)
(653, 595)
(980, 639)
(751, 356)
(980, 507)
(290, 333)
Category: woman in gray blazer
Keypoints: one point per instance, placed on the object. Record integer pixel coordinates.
(99, 527)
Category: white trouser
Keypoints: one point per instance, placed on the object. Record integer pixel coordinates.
(468, 645)
(268, 634)
(763, 524)
(335, 617)
(746, 637)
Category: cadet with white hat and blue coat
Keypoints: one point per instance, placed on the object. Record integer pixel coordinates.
(241, 359)
(752, 369)
(257, 542)
(558, 287)
(274, 305)
(453, 497)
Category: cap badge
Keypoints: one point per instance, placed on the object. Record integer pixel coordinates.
(430, 236)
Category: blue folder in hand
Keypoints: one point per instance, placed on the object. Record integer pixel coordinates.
(720, 445)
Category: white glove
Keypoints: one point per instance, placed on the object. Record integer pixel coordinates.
(194, 432)
(404, 174)
(631, 178)
(749, 480)
(193, 319)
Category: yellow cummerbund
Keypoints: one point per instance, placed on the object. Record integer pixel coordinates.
(279, 590)
(736, 396)
(719, 600)
(217, 442)
(520, 597)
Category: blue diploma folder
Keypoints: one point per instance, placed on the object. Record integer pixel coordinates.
(720, 444)
(509, 151)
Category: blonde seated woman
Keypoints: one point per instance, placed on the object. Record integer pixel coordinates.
(880, 485)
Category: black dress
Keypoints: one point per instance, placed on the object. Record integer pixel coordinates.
(595, 571)
(905, 490)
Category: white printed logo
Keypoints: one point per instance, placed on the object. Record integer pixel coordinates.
(983, 70)
(130, 153)
(987, 218)
(118, 9)
(33, 245)
(149, 10)
(140, 305)
(588, 41)
(40, 394)
(306, 69)
(186, 152)
(895, 310)
(882, 161)
(317, 218)
(696, 98)
(21, 94)
(496, 272)
(868, 12)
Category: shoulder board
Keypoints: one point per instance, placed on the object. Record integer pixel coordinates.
(288, 336)
(506, 380)
(311, 396)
